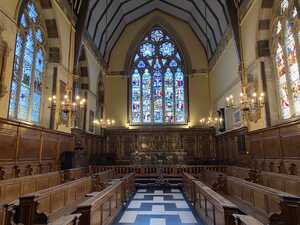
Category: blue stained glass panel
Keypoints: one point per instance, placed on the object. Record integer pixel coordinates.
(179, 89)
(24, 103)
(39, 35)
(23, 21)
(157, 97)
(136, 57)
(173, 63)
(147, 49)
(136, 96)
(167, 49)
(169, 96)
(146, 89)
(28, 67)
(18, 45)
(39, 61)
(150, 61)
(36, 106)
(32, 13)
(157, 35)
(157, 92)
(157, 65)
(141, 64)
(13, 99)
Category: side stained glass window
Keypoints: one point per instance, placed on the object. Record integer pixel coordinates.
(285, 42)
(157, 81)
(26, 85)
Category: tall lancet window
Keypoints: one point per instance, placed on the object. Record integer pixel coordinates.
(158, 81)
(286, 57)
(26, 90)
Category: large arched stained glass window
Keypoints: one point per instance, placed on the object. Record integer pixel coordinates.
(157, 81)
(25, 94)
(286, 45)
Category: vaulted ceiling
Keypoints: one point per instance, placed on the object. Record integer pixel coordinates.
(106, 19)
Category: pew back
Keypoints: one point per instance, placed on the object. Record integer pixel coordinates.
(11, 189)
(213, 208)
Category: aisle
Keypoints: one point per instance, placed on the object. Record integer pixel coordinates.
(158, 207)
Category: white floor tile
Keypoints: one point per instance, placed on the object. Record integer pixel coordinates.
(158, 208)
(128, 217)
(157, 221)
(158, 199)
(187, 217)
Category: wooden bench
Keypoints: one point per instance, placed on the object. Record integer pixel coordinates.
(283, 182)
(245, 220)
(67, 220)
(39, 206)
(263, 202)
(11, 189)
(75, 173)
(213, 208)
(103, 207)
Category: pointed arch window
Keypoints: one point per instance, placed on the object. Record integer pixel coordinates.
(158, 80)
(286, 57)
(26, 84)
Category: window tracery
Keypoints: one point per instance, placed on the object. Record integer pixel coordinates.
(26, 85)
(157, 81)
(286, 45)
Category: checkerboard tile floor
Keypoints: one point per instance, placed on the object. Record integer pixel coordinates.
(158, 207)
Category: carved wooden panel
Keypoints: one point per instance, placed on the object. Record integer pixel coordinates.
(176, 145)
(30, 144)
(8, 140)
(290, 141)
(50, 146)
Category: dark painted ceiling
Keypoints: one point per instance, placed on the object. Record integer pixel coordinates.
(106, 19)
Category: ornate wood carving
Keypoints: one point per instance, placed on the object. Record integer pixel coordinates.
(27, 149)
(173, 145)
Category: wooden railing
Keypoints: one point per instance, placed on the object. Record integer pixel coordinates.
(213, 208)
(11, 189)
(170, 170)
(283, 182)
(102, 208)
(245, 220)
(67, 220)
(270, 204)
(40, 205)
(75, 173)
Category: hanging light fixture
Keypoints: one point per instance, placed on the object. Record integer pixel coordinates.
(250, 104)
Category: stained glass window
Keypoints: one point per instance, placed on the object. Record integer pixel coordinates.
(26, 85)
(286, 62)
(157, 81)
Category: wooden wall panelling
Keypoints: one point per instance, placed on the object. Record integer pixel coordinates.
(29, 149)
(290, 141)
(29, 144)
(8, 138)
(178, 144)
